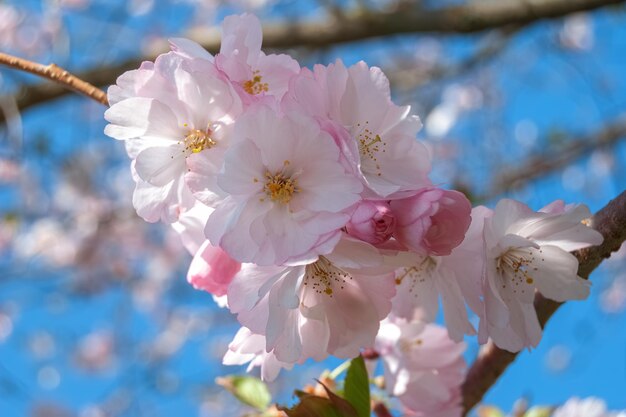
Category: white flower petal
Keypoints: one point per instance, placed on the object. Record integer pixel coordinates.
(557, 277)
(161, 165)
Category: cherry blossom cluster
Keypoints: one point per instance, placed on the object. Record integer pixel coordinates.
(305, 198)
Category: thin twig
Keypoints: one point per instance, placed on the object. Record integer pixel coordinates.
(610, 221)
(540, 165)
(56, 74)
(412, 76)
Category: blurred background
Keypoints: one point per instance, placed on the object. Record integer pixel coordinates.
(96, 317)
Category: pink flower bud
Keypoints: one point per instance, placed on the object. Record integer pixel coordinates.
(212, 270)
(372, 222)
(432, 221)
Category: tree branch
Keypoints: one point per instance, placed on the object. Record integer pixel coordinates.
(560, 157)
(467, 18)
(381, 410)
(610, 221)
(56, 74)
(412, 77)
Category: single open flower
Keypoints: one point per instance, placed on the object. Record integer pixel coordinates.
(528, 251)
(289, 194)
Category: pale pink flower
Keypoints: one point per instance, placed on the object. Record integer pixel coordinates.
(332, 305)
(587, 407)
(433, 221)
(253, 72)
(165, 203)
(9, 24)
(189, 49)
(96, 351)
(423, 368)
(9, 171)
(381, 134)
(289, 194)
(420, 285)
(248, 347)
(190, 226)
(372, 222)
(168, 113)
(528, 251)
(423, 280)
(212, 270)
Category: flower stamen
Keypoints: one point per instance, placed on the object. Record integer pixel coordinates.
(321, 275)
(417, 274)
(370, 144)
(279, 188)
(197, 141)
(516, 265)
(255, 86)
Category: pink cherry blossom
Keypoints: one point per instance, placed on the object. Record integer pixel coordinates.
(190, 226)
(167, 113)
(212, 269)
(248, 347)
(422, 282)
(189, 49)
(289, 194)
(528, 251)
(423, 368)
(304, 198)
(372, 222)
(381, 134)
(332, 305)
(454, 279)
(433, 221)
(254, 73)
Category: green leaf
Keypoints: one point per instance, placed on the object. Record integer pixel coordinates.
(539, 412)
(489, 411)
(314, 406)
(357, 387)
(247, 389)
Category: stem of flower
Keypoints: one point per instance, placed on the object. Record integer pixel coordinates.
(56, 74)
(339, 370)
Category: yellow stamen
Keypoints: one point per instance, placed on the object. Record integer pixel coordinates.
(255, 86)
(197, 141)
(325, 278)
(279, 188)
(370, 145)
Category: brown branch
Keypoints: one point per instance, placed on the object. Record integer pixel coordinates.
(381, 410)
(56, 74)
(543, 164)
(412, 77)
(467, 18)
(610, 221)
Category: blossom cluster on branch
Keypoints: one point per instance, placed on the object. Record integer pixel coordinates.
(305, 199)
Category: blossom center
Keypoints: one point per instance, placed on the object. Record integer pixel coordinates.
(370, 144)
(279, 188)
(255, 85)
(407, 345)
(517, 265)
(321, 275)
(198, 140)
(418, 273)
